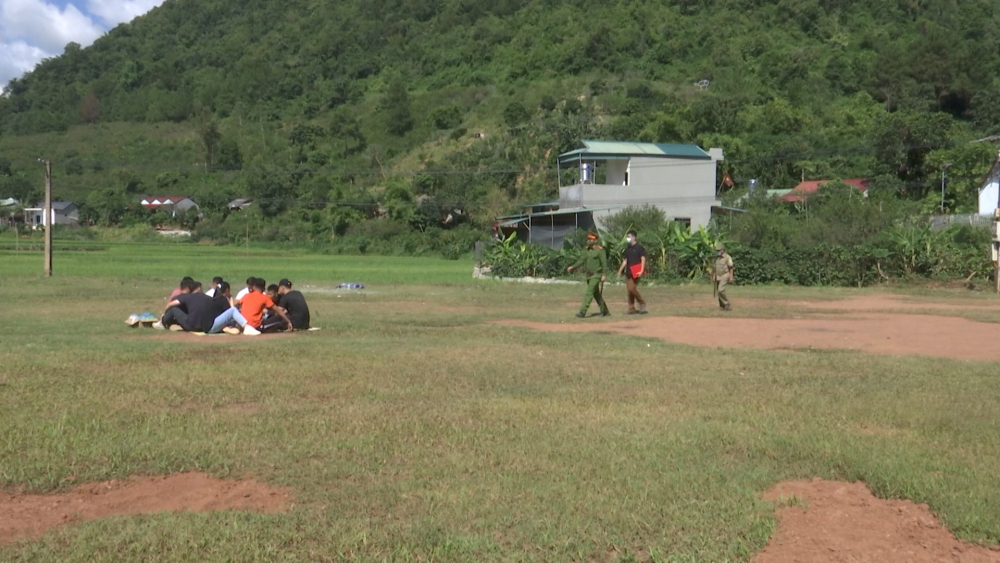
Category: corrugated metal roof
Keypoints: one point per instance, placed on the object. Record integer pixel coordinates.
(575, 210)
(624, 149)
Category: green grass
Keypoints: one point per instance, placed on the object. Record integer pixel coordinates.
(160, 262)
(409, 429)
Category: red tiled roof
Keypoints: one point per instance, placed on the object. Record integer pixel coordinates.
(800, 191)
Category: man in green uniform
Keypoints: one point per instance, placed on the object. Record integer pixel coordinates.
(723, 274)
(595, 262)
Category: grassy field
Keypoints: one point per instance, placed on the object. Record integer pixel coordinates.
(410, 428)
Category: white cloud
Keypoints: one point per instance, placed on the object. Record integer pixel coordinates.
(46, 26)
(114, 12)
(31, 30)
(16, 58)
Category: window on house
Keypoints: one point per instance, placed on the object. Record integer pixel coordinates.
(686, 221)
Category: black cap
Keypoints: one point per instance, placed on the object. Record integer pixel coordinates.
(285, 283)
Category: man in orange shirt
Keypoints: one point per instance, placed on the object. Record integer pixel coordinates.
(253, 305)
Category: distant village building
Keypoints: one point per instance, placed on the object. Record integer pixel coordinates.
(173, 205)
(239, 204)
(10, 210)
(989, 190)
(807, 188)
(63, 213)
(603, 177)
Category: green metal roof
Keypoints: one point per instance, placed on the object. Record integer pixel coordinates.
(574, 210)
(606, 150)
(510, 220)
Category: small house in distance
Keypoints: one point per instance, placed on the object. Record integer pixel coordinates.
(805, 189)
(989, 190)
(239, 204)
(63, 213)
(603, 177)
(608, 175)
(173, 205)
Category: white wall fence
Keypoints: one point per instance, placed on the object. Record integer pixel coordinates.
(944, 221)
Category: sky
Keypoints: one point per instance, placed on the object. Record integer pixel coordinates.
(31, 30)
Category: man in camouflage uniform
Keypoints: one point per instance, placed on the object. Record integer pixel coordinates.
(595, 262)
(723, 273)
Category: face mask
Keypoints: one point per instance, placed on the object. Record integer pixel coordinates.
(628, 239)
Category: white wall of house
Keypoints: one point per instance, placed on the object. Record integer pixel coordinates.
(988, 196)
(617, 172)
(36, 217)
(683, 189)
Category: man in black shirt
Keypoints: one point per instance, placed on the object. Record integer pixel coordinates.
(200, 309)
(634, 266)
(294, 304)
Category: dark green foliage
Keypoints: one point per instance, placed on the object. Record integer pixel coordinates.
(447, 117)
(643, 219)
(270, 95)
(230, 157)
(515, 115)
(397, 108)
(73, 167)
(838, 237)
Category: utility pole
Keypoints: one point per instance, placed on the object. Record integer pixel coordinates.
(944, 168)
(996, 239)
(48, 219)
(996, 245)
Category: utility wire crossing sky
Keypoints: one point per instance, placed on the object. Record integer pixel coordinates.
(31, 30)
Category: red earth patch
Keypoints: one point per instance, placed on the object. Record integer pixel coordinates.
(30, 516)
(831, 522)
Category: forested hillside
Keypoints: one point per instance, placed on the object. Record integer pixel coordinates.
(328, 110)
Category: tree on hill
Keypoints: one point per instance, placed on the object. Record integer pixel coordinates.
(397, 108)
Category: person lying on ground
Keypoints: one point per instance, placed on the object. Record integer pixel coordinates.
(215, 286)
(256, 302)
(294, 305)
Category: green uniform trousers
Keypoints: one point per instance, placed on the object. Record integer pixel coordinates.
(720, 292)
(594, 292)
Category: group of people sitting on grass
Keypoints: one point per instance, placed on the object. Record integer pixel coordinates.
(256, 309)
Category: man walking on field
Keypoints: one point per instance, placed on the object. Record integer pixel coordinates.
(595, 263)
(634, 266)
(723, 274)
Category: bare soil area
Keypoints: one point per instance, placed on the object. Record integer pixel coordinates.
(828, 521)
(861, 326)
(30, 516)
(899, 303)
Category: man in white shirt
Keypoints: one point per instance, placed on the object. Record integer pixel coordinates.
(245, 290)
(216, 281)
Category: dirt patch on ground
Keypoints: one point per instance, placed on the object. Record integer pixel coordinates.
(889, 334)
(30, 516)
(897, 303)
(828, 521)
